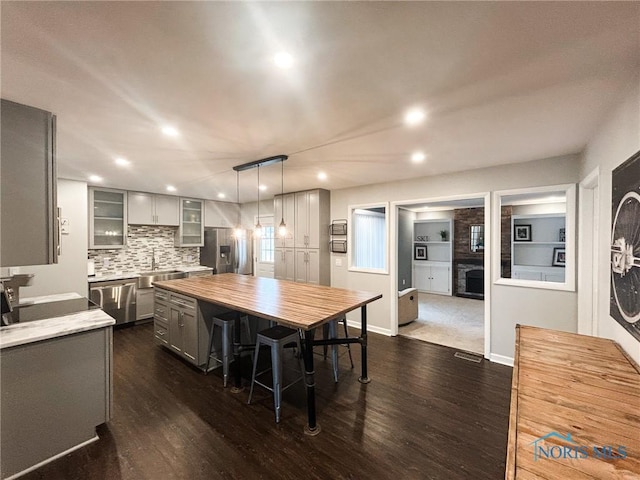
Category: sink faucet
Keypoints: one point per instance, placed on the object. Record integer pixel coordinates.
(154, 264)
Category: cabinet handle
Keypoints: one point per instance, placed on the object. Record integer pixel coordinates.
(160, 332)
(59, 219)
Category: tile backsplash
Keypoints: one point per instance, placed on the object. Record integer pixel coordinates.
(142, 240)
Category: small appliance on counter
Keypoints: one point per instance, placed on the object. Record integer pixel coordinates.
(91, 268)
(11, 286)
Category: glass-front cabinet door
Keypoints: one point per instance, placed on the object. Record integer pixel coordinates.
(107, 218)
(191, 231)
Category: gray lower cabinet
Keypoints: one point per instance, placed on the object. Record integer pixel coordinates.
(29, 232)
(54, 394)
(182, 324)
(161, 317)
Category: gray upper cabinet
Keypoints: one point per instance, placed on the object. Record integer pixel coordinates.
(150, 209)
(28, 201)
(311, 223)
(191, 231)
(221, 214)
(107, 218)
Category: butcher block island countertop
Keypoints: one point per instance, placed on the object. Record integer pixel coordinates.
(297, 305)
(575, 408)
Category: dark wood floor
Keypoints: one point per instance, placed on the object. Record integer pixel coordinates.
(425, 415)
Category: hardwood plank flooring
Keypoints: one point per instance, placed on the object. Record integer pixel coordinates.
(425, 415)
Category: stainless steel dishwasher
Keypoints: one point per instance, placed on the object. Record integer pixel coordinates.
(117, 298)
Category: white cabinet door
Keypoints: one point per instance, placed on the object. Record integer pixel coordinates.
(149, 209)
(284, 264)
(313, 219)
(307, 219)
(167, 210)
(140, 208)
(439, 279)
(301, 266)
(313, 267)
(421, 280)
(302, 220)
(191, 231)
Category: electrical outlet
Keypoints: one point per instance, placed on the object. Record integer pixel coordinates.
(404, 282)
(105, 262)
(189, 258)
(338, 262)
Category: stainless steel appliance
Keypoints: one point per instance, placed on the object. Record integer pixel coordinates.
(225, 253)
(117, 298)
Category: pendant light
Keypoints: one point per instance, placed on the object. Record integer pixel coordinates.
(282, 228)
(237, 230)
(258, 228)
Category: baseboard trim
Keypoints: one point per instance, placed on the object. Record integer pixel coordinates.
(51, 459)
(370, 328)
(501, 359)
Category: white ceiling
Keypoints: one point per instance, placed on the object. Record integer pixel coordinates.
(501, 82)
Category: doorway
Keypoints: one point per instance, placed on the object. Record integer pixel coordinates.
(440, 251)
(265, 248)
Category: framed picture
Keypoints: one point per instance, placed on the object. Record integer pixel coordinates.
(562, 236)
(420, 252)
(559, 257)
(625, 244)
(522, 233)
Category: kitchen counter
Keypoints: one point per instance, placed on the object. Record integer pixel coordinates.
(56, 381)
(35, 331)
(125, 275)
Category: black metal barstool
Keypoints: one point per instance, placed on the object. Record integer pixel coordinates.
(330, 330)
(225, 326)
(276, 338)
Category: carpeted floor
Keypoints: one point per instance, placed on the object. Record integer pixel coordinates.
(451, 321)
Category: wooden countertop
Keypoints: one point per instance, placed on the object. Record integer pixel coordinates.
(568, 384)
(297, 305)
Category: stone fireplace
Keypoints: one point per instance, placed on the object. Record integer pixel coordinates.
(470, 280)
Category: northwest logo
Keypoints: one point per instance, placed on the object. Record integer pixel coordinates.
(574, 450)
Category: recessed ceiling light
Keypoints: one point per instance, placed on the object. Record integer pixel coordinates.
(418, 157)
(171, 188)
(262, 188)
(95, 178)
(322, 176)
(283, 60)
(170, 131)
(221, 195)
(122, 162)
(415, 116)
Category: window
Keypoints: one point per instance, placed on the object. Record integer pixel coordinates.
(369, 239)
(267, 243)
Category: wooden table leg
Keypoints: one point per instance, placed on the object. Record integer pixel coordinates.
(364, 378)
(312, 428)
(237, 373)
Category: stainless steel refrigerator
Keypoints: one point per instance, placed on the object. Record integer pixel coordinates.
(226, 253)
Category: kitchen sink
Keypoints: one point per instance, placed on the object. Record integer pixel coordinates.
(146, 279)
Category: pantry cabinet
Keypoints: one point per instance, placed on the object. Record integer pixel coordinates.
(284, 264)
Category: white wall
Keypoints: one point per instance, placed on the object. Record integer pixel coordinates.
(70, 273)
(510, 305)
(616, 140)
